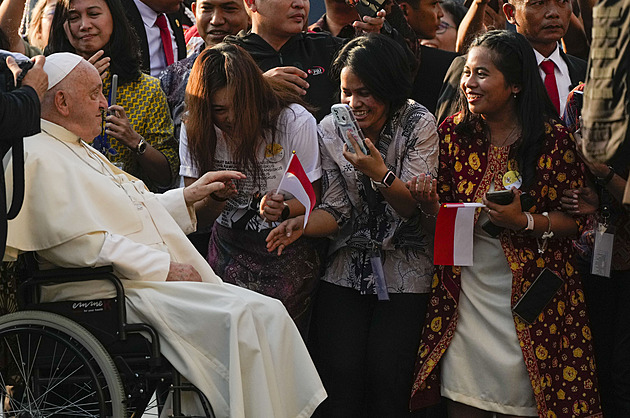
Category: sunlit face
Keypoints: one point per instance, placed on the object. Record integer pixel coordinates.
(223, 110)
(279, 18)
(370, 112)
(446, 36)
(86, 101)
(540, 21)
(218, 18)
(89, 26)
(484, 86)
(425, 18)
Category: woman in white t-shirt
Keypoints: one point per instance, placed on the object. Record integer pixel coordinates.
(239, 120)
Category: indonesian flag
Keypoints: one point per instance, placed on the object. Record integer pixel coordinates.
(296, 182)
(454, 234)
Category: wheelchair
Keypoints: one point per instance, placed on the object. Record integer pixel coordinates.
(82, 358)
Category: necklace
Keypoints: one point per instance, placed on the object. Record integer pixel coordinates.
(508, 138)
(105, 171)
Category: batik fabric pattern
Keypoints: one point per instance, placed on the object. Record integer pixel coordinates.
(557, 347)
(146, 107)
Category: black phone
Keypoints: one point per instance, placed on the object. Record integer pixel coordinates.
(502, 198)
(367, 7)
(539, 294)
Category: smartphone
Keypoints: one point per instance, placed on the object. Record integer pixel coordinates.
(367, 7)
(539, 294)
(346, 122)
(505, 197)
(114, 90)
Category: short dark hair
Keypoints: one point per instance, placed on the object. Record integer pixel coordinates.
(455, 9)
(514, 57)
(123, 46)
(381, 64)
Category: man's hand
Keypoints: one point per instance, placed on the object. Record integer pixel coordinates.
(211, 182)
(36, 77)
(101, 64)
(179, 272)
(285, 233)
(291, 77)
(370, 24)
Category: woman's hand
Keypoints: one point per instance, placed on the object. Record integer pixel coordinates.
(371, 165)
(271, 206)
(284, 234)
(423, 188)
(508, 216)
(101, 63)
(212, 182)
(581, 201)
(118, 125)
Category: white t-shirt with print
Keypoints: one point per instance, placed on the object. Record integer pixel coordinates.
(296, 131)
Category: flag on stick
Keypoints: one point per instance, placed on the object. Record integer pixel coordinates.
(296, 182)
(454, 234)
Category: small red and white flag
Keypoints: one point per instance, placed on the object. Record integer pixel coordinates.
(454, 234)
(296, 182)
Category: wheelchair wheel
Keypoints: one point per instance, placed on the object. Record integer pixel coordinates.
(52, 367)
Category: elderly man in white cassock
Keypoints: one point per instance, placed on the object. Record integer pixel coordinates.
(241, 349)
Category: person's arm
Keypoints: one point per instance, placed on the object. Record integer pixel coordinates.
(478, 19)
(11, 12)
(575, 41)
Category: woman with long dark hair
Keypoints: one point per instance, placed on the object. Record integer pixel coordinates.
(237, 119)
(371, 302)
(485, 359)
(138, 131)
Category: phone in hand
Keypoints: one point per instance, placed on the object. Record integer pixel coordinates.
(537, 296)
(505, 197)
(367, 7)
(114, 90)
(346, 122)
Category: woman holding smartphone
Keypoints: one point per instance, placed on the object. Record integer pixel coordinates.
(371, 301)
(137, 131)
(475, 351)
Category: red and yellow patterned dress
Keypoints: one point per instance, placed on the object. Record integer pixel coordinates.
(557, 348)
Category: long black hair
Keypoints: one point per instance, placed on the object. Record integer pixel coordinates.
(514, 57)
(123, 46)
(381, 64)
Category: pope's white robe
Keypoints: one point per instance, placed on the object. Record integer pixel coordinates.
(240, 348)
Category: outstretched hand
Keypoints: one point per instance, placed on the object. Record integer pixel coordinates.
(211, 182)
(291, 77)
(285, 234)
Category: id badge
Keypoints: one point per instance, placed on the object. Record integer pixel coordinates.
(602, 250)
(379, 277)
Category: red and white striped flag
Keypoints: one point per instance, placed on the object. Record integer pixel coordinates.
(454, 234)
(296, 182)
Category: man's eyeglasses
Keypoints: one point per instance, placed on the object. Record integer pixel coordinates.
(443, 27)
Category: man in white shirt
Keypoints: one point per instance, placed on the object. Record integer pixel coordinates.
(144, 16)
(241, 349)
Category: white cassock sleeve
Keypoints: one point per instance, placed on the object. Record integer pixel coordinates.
(173, 201)
(129, 259)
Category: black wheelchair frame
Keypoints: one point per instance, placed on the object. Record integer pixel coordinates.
(82, 358)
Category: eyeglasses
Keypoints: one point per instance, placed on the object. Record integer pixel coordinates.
(443, 27)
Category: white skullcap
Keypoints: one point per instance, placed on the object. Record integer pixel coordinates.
(59, 65)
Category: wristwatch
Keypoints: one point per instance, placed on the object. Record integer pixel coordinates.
(602, 181)
(141, 147)
(387, 181)
(286, 212)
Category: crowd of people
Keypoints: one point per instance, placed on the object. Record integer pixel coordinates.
(175, 123)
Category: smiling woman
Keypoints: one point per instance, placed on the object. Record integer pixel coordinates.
(137, 133)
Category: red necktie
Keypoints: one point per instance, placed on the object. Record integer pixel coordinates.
(549, 68)
(167, 43)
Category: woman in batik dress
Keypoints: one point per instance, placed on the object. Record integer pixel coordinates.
(475, 351)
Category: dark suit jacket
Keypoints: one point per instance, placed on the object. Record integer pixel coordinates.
(434, 63)
(447, 103)
(175, 20)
